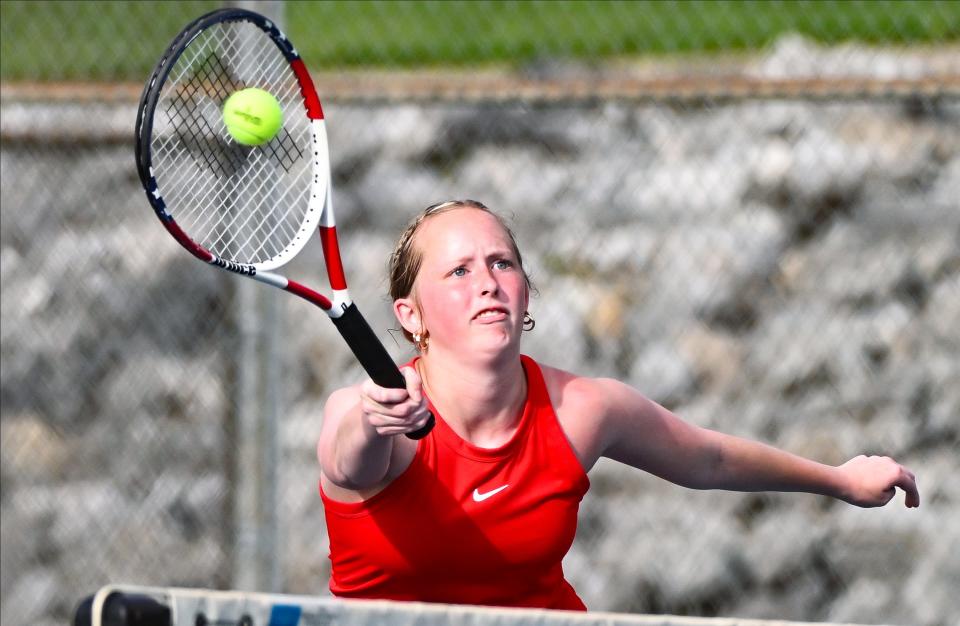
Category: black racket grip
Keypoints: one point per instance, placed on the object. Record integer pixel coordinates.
(373, 357)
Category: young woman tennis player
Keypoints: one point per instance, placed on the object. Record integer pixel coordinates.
(483, 510)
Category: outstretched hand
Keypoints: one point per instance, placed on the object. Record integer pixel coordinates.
(394, 411)
(872, 481)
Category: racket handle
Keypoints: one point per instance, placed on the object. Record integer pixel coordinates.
(373, 357)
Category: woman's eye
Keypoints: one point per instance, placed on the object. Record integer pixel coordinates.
(460, 271)
(503, 264)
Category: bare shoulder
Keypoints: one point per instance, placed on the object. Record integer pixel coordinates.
(602, 415)
(572, 391)
(583, 408)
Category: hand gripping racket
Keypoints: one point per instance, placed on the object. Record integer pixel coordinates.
(247, 209)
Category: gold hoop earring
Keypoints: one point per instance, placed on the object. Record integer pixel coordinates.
(528, 322)
(421, 341)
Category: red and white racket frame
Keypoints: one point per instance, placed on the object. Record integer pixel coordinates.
(346, 317)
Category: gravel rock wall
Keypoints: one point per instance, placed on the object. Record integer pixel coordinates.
(787, 271)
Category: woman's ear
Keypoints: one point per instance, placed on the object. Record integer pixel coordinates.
(408, 314)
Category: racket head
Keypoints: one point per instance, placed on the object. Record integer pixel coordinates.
(244, 208)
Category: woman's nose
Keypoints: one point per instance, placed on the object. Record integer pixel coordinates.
(488, 284)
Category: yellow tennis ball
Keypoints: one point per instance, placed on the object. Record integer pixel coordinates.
(252, 116)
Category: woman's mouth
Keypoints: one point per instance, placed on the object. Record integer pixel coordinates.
(491, 315)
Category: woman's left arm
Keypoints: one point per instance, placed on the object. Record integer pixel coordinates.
(639, 432)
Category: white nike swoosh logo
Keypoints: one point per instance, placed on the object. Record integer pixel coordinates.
(480, 497)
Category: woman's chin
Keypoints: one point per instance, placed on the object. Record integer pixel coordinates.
(489, 343)
(495, 344)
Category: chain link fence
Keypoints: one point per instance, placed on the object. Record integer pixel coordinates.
(749, 211)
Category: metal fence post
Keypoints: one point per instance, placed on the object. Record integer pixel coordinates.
(256, 553)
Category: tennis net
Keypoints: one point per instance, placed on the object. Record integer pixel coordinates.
(121, 605)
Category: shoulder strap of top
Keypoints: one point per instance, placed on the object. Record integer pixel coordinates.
(537, 393)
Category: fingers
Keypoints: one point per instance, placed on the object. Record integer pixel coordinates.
(383, 396)
(875, 479)
(387, 395)
(904, 479)
(394, 411)
(414, 384)
(908, 482)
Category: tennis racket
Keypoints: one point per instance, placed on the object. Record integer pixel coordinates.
(247, 209)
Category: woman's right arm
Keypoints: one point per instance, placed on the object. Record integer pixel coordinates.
(360, 428)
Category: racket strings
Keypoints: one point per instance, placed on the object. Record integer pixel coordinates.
(214, 79)
(244, 204)
(256, 221)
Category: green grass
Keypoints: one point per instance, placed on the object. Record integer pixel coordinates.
(469, 33)
(121, 40)
(81, 40)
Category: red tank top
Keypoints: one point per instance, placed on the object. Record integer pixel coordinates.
(468, 525)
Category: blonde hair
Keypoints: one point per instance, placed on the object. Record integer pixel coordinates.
(406, 259)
